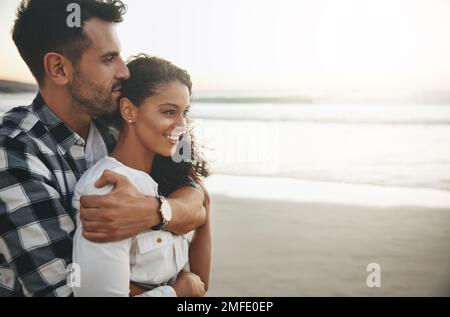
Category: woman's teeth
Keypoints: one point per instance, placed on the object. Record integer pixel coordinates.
(173, 138)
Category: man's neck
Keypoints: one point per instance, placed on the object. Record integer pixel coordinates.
(60, 102)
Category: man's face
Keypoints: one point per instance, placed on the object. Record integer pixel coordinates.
(95, 85)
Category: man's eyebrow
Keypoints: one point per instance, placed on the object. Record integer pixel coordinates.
(110, 54)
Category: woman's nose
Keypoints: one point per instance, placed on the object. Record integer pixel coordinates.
(181, 122)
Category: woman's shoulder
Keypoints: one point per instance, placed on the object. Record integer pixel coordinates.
(86, 183)
(105, 163)
(143, 181)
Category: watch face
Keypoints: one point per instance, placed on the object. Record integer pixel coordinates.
(166, 210)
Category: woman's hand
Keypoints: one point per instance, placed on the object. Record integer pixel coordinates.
(136, 290)
(189, 285)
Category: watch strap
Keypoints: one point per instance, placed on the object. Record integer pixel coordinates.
(164, 223)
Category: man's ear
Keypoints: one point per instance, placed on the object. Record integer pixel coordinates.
(57, 68)
(128, 110)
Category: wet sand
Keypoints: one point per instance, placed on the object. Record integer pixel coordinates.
(279, 248)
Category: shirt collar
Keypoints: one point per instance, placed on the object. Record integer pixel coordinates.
(65, 136)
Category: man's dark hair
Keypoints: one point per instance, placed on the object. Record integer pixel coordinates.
(41, 27)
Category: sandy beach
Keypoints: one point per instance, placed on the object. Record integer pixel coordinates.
(277, 248)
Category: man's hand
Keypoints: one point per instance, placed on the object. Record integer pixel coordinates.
(121, 214)
(189, 285)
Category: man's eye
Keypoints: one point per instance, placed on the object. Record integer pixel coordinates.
(110, 59)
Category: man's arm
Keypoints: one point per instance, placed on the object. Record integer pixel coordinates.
(34, 226)
(125, 212)
(188, 212)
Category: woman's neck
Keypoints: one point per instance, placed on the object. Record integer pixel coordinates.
(132, 153)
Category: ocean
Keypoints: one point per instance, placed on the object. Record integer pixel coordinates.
(390, 145)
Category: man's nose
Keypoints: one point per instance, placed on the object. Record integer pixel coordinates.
(123, 72)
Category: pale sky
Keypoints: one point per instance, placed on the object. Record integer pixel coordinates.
(298, 45)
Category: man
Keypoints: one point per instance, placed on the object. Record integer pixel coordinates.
(46, 147)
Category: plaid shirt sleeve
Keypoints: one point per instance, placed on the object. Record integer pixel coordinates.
(35, 228)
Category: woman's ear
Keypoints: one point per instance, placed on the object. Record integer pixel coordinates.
(128, 110)
(57, 68)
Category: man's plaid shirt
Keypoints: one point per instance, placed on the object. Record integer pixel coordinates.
(41, 160)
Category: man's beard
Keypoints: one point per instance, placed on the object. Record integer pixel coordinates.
(93, 99)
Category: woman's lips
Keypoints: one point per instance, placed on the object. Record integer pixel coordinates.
(173, 138)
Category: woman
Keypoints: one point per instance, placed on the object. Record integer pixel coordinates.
(152, 116)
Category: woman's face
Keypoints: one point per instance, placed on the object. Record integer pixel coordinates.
(161, 118)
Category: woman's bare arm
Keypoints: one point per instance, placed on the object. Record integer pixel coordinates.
(200, 247)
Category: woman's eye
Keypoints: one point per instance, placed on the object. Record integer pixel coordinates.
(170, 112)
(185, 113)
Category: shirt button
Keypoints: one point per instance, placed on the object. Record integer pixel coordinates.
(159, 240)
(80, 142)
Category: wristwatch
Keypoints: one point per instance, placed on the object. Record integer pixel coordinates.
(166, 213)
